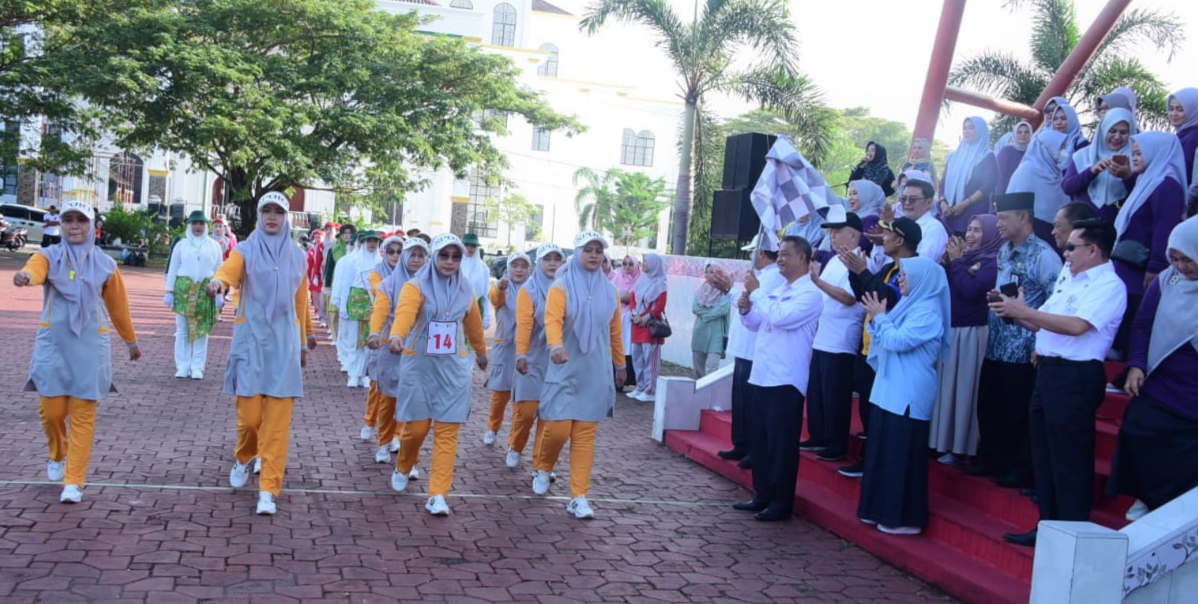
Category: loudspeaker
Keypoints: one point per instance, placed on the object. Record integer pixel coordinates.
(732, 215)
(744, 159)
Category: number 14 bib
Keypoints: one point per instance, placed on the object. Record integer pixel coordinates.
(442, 338)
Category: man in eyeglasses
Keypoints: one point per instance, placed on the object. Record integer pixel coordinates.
(916, 199)
(1008, 375)
(1074, 330)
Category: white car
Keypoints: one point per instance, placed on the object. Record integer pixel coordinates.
(26, 217)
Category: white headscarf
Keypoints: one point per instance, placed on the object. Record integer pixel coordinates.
(445, 298)
(352, 269)
(960, 164)
(1106, 189)
(476, 273)
(1040, 173)
(1176, 320)
(78, 271)
(275, 266)
(590, 298)
(651, 284)
(509, 333)
(870, 196)
(538, 284)
(1163, 158)
(1188, 97)
(400, 275)
(383, 268)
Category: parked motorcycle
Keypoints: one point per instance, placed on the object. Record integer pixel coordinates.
(12, 237)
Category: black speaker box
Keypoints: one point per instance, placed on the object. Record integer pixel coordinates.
(744, 159)
(732, 215)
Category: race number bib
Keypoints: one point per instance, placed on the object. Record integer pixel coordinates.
(442, 338)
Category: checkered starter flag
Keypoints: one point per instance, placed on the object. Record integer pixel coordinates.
(789, 188)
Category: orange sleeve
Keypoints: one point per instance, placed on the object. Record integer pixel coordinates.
(38, 268)
(230, 271)
(382, 307)
(617, 334)
(524, 320)
(555, 316)
(375, 280)
(303, 312)
(410, 300)
(498, 296)
(473, 323)
(117, 304)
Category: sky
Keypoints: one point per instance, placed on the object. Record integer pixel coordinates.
(874, 53)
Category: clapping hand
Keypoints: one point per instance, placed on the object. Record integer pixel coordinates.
(874, 304)
(721, 280)
(854, 262)
(1007, 307)
(955, 248)
(887, 213)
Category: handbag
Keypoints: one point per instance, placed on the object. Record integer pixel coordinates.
(659, 328)
(1132, 253)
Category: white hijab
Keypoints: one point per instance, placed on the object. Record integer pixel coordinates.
(1176, 320)
(1164, 159)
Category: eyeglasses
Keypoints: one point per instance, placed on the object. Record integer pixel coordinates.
(629, 264)
(394, 252)
(911, 199)
(1069, 247)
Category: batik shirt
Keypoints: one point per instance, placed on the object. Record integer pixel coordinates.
(1034, 265)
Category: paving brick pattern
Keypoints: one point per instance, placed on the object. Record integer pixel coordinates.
(158, 523)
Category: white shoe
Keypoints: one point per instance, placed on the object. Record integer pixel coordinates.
(947, 459)
(395, 445)
(383, 455)
(436, 506)
(266, 504)
(414, 473)
(257, 465)
(364, 434)
(540, 482)
(399, 482)
(71, 494)
(353, 382)
(635, 394)
(645, 397)
(513, 458)
(197, 374)
(1137, 511)
(239, 474)
(55, 470)
(900, 530)
(580, 508)
(324, 324)
(488, 438)
(182, 374)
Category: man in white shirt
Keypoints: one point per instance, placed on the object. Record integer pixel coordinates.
(785, 321)
(916, 200)
(740, 347)
(837, 340)
(1074, 330)
(53, 231)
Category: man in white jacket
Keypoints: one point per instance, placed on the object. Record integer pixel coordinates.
(194, 261)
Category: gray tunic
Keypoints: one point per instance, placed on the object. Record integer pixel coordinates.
(264, 358)
(528, 387)
(503, 347)
(68, 365)
(582, 388)
(433, 387)
(381, 365)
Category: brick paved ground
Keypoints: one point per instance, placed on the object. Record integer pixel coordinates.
(159, 524)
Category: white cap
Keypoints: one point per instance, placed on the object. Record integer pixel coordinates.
(836, 215)
(548, 248)
(276, 198)
(415, 242)
(752, 244)
(78, 206)
(587, 236)
(447, 239)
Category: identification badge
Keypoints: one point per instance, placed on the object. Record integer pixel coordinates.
(442, 338)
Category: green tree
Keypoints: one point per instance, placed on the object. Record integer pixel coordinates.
(638, 204)
(510, 210)
(1055, 33)
(272, 94)
(704, 54)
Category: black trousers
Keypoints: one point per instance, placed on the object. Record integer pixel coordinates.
(777, 420)
(49, 240)
(863, 383)
(1063, 405)
(830, 399)
(741, 395)
(1004, 393)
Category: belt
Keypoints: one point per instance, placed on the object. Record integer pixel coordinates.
(1061, 361)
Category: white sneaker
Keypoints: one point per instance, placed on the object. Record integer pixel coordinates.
(635, 394)
(395, 445)
(900, 530)
(383, 455)
(353, 382)
(488, 437)
(513, 458)
(365, 381)
(266, 504)
(55, 470)
(1137, 511)
(436, 506)
(399, 482)
(257, 465)
(645, 397)
(197, 374)
(71, 494)
(182, 374)
(947, 459)
(540, 482)
(239, 474)
(580, 508)
(364, 434)
(414, 473)
(324, 324)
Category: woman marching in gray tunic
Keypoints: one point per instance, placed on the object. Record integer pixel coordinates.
(584, 334)
(532, 353)
(503, 350)
(72, 359)
(436, 314)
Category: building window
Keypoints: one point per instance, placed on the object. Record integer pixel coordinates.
(637, 149)
(540, 139)
(476, 212)
(490, 114)
(549, 67)
(466, 4)
(503, 25)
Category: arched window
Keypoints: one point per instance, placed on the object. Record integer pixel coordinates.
(637, 149)
(466, 4)
(503, 25)
(549, 67)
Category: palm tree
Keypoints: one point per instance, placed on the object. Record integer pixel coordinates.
(639, 202)
(1054, 35)
(703, 53)
(596, 213)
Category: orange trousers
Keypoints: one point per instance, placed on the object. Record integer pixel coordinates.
(499, 401)
(373, 397)
(582, 451)
(75, 445)
(524, 415)
(384, 419)
(264, 431)
(445, 452)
